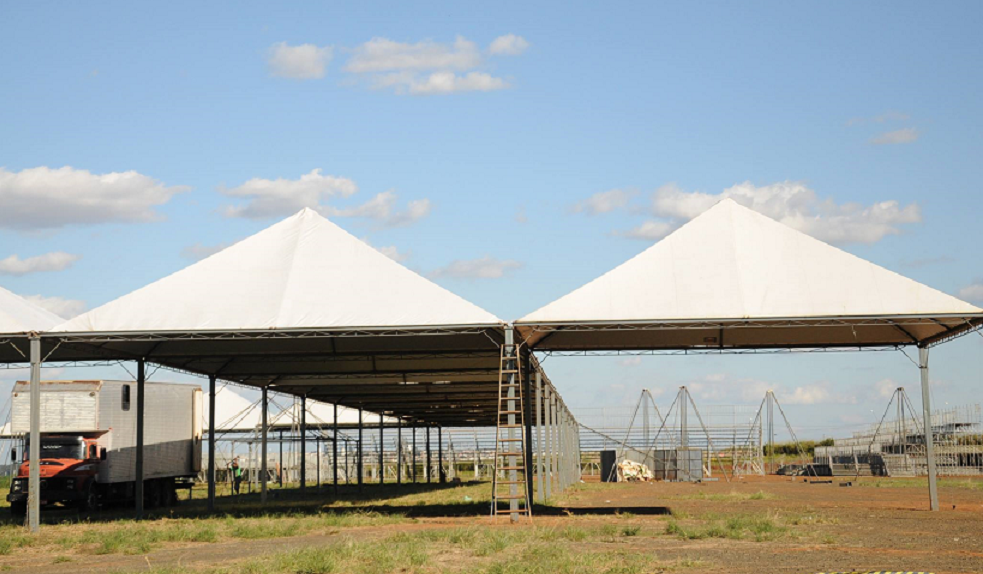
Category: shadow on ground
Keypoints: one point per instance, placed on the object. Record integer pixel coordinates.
(349, 499)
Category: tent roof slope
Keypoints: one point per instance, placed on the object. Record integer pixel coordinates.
(18, 315)
(732, 265)
(304, 272)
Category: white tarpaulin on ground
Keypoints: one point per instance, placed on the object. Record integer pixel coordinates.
(734, 269)
(631, 471)
(303, 272)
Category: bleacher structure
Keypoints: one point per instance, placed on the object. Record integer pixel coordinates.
(895, 446)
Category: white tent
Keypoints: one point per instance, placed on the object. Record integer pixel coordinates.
(305, 308)
(303, 272)
(237, 414)
(19, 316)
(733, 278)
(322, 415)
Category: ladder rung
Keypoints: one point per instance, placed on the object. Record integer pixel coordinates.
(509, 371)
(509, 385)
(511, 468)
(510, 440)
(510, 426)
(509, 412)
(511, 454)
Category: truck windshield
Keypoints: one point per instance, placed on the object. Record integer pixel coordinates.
(57, 448)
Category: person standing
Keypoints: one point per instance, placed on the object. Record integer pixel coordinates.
(236, 475)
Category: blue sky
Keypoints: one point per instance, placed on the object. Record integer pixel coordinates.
(478, 138)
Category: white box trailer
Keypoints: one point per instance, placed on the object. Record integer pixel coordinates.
(94, 422)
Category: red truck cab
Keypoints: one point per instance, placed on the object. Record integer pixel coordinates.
(69, 468)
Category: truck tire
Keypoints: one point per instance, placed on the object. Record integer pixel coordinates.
(170, 493)
(90, 498)
(155, 495)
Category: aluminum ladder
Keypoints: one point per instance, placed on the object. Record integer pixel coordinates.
(510, 496)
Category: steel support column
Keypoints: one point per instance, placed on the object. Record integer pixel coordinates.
(513, 475)
(553, 440)
(413, 454)
(441, 477)
(540, 466)
(527, 442)
(358, 451)
(211, 443)
(399, 451)
(264, 432)
(303, 444)
(428, 471)
(34, 454)
(141, 385)
(549, 442)
(933, 492)
(382, 450)
(334, 451)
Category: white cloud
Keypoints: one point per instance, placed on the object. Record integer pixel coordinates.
(382, 209)
(648, 231)
(390, 251)
(279, 197)
(520, 216)
(815, 394)
(42, 197)
(508, 45)
(902, 136)
(384, 55)
(64, 308)
(449, 83)
(393, 253)
(604, 202)
(55, 261)
(972, 292)
(885, 388)
(720, 387)
(631, 361)
(483, 268)
(303, 62)
(797, 206)
(423, 68)
(880, 119)
(198, 251)
(926, 261)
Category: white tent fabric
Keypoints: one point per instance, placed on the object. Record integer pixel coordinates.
(233, 412)
(303, 272)
(322, 414)
(237, 414)
(732, 264)
(18, 315)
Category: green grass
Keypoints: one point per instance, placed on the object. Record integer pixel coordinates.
(727, 496)
(736, 527)
(472, 550)
(139, 537)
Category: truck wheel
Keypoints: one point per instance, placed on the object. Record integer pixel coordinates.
(170, 493)
(155, 494)
(90, 499)
(18, 509)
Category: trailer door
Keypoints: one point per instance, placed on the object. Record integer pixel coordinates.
(196, 424)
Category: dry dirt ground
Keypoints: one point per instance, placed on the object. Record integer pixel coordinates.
(808, 528)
